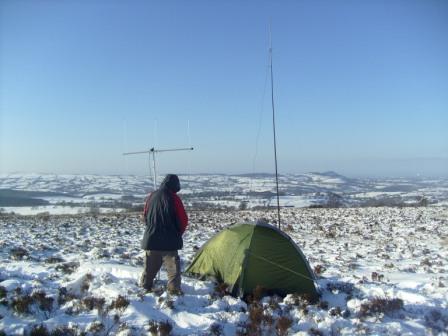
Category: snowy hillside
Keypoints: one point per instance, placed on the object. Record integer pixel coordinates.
(32, 194)
(381, 271)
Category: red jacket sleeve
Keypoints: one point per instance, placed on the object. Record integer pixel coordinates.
(180, 212)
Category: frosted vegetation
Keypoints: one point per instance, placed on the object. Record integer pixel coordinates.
(380, 270)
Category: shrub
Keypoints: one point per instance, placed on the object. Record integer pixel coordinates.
(221, 289)
(377, 276)
(39, 330)
(274, 302)
(216, 329)
(319, 269)
(257, 318)
(315, 332)
(18, 253)
(165, 328)
(323, 304)
(3, 292)
(153, 328)
(335, 311)
(258, 293)
(169, 304)
(64, 296)
(45, 216)
(96, 327)
(94, 210)
(162, 328)
(85, 284)
(289, 228)
(380, 305)
(54, 260)
(44, 302)
(256, 315)
(120, 303)
(301, 300)
(91, 303)
(68, 267)
(243, 205)
(21, 304)
(346, 313)
(338, 286)
(65, 331)
(282, 325)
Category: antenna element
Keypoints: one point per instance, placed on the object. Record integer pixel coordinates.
(153, 151)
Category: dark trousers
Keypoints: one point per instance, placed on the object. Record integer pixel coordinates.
(153, 262)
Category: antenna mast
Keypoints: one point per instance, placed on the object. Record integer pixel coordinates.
(273, 124)
(153, 151)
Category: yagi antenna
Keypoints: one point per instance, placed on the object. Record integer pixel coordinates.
(153, 151)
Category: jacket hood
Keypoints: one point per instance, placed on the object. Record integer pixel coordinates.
(171, 182)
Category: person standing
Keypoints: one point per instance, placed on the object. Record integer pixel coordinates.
(166, 221)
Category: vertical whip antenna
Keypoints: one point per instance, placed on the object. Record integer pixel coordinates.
(273, 124)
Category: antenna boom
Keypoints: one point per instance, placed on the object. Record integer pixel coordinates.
(153, 150)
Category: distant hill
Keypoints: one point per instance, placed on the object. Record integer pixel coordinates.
(22, 198)
(118, 191)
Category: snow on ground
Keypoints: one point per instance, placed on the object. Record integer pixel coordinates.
(57, 210)
(373, 194)
(293, 201)
(381, 271)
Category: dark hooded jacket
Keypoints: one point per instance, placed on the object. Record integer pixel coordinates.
(164, 228)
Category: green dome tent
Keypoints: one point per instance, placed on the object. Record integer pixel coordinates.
(245, 256)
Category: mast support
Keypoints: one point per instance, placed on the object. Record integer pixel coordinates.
(273, 126)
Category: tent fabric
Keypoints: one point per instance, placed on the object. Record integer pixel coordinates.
(245, 256)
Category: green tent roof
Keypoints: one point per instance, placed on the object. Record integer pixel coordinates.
(245, 256)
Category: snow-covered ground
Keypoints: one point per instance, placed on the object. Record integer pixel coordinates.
(381, 271)
(217, 191)
(57, 210)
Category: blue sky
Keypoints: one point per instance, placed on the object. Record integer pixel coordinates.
(361, 87)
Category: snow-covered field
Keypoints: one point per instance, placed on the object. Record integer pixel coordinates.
(23, 194)
(381, 271)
